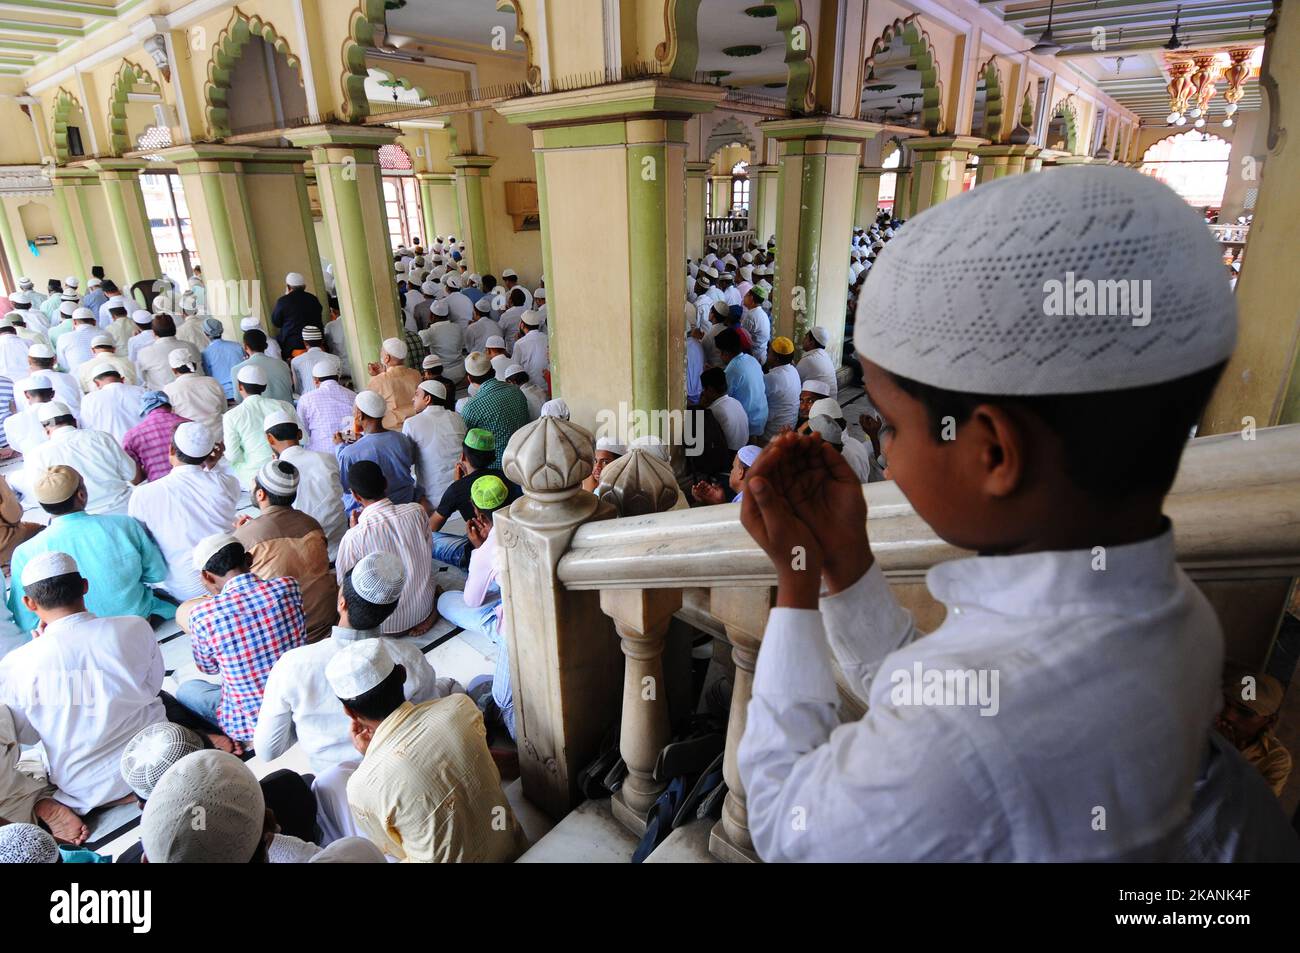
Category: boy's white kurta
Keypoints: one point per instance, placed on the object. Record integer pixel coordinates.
(439, 435)
(83, 689)
(1107, 685)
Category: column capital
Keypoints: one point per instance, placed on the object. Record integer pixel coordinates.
(347, 137)
(820, 127)
(663, 97)
(207, 152)
(946, 144)
(763, 168)
(873, 170)
(472, 164)
(117, 165)
(1073, 160)
(998, 149)
(702, 168)
(435, 177)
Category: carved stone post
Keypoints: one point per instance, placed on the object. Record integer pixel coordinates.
(641, 618)
(565, 665)
(743, 613)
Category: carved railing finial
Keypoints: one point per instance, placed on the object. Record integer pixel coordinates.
(638, 483)
(549, 458)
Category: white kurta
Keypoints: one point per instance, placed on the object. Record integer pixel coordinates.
(782, 385)
(1107, 687)
(66, 389)
(533, 354)
(858, 456)
(301, 367)
(536, 398)
(816, 365)
(462, 309)
(476, 334)
(199, 398)
(446, 340)
(113, 408)
(24, 431)
(73, 348)
(439, 435)
(179, 510)
(155, 369)
(320, 492)
(100, 460)
(83, 689)
(13, 357)
(138, 343)
(759, 326)
(733, 420)
(509, 324)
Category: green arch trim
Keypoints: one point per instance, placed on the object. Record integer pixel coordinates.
(992, 101)
(225, 54)
(919, 45)
(127, 78)
(680, 50)
(1027, 109)
(366, 19)
(799, 64)
(1065, 110)
(64, 104)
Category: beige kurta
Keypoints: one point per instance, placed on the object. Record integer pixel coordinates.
(397, 386)
(19, 790)
(288, 542)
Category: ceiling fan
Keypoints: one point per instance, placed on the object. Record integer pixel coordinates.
(1174, 42)
(1047, 45)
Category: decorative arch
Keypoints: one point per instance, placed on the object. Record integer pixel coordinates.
(1027, 109)
(225, 54)
(799, 65)
(1065, 110)
(892, 145)
(124, 83)
(367, 19)
(532, 72)
(1198, 135)
(728, 131)
(64, 104)
(392, 79)
(918, 43)
(679, 53)
(992, 100)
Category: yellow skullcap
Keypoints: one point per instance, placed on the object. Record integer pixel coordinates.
(57, 485)
(782, 345)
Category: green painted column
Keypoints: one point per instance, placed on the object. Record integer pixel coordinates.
(999, 161)
(120, 180)
(763, 207)
(471, 177)
(938, 168)
(697, 181)
(819, 161)
(439, 209)
(903, 192)
(69, 198)
(868, 197)
(352, 200)
(9, 244)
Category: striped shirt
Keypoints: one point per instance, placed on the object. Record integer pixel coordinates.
(403, 530)
(239, 634)
(149, 443)
(322, 412)
(498, 407)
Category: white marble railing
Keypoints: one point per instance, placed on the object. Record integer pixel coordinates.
(1231, 234)
(590, 596)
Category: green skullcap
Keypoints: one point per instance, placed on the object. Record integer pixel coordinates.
(758, 293)
(480, 439)
(488, 492)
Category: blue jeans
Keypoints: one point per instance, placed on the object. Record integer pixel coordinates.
(202, 698)
(452, 549)
(451, 606)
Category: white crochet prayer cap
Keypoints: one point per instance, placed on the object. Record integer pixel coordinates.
(820, 335)
(249, 324)
(278, 477)
(277, 417)
(510, 371)
(83, 314)
(813, 386)
(180, 357)
(610, 445)
(193, 439)
(209, 546)
(41, 352)
(71, 282)
(440, 308)
(434, 389)
(35, 382)
(431, 361)
(27, 844)
(48, 565)
(483, 305)
(532, 319)
(103, 340)
(153, 750)
(969, 296)
(326, 367)
(358, 667)
(142, 317)
(252, 374)
(827, 406)
(509, 273)
(540, 293)
(295, 280)
(495, 341)
(555, 407)
(227, 794)
(396, 347)
(378, 578)
(371, 404)
(55, 408)
(748, 455)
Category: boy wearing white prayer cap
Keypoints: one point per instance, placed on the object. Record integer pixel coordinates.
(193, 394)
(416, 756)
(438, 434)
(483, 327)
(320, 492)
(104, 352)
(114, 406)
(244, 435)
(446, 340)
(816, 363)
(991, 402)
(392, 380)
(514, 374)
(40, 360)
(313, 340)
(142, 333)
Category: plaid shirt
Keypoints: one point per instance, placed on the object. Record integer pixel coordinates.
(416, 351)
(240, 634)
(149, 442)
(6, 400)
(321, 411)
(500, 408)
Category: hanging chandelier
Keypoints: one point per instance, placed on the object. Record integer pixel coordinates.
(1181, 90)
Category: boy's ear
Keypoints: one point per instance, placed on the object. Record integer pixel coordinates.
(1001, 448)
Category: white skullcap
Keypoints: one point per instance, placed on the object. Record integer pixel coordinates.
(747, 272)
(312, 333)
(20, 297)
(278, 478)
(748, 454)
(194, 439)
(326, 367)
(813, 386)
(69, 308)
(431, 287)
(555, 407)
(83, 314)
(209, 546)
(55, 408)
(250, 324)
(225, 791)
(295, 280)
(42, 352)
(94, 282)
(378, 578)
(483, 305)
(440, 308)
(103, 340)
(434, 389)
(371, 404)
(180, 357)
(511, 370)
(652, 445)
(153, 750)
(396, 347)
(495, 341)
(35, 382)
(100, 368)
(359, 666)
(451, 281)
(252, 374)
(141, 316)
(477, 363)
(25, 282)
(610, 445)
(475, 277)
(509, 273)
(829, 407)
(531, 318)
(540, 293)
(27, 844)
(501, 364)
(1013, 250)
(820, 335)
(48, 565)
(828, 428)
(431, 361)
(277, 417)
(71, 281)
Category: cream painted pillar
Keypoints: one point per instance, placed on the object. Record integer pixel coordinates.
(346, 159)
(611, 181)
(120, 181)
(471, 174)
(438, 198)
(1262, 381)
(868, 196)
(721, 187)
(997, 161)
(70, 187)
(275, 182)
(938, 168)
(697, 180)
(763, 218)
(903, 192)
(819, 161)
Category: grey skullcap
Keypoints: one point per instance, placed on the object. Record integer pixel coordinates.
(153, 750)
(224, 791)
(27, 844)
(969, 296)
(213, 328)
(278, 477)
(379, 578)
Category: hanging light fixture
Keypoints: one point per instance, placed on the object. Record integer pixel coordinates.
(1174, 42)
(1047, 45)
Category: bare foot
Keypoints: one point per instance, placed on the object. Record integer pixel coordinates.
(422, 627)
(66, 826)
(223, 743)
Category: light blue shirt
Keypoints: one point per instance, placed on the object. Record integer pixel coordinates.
(219, 361)
(279, 379)
(745, 383)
